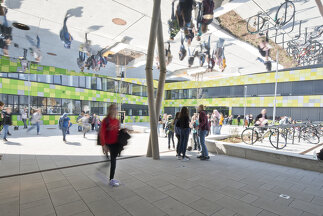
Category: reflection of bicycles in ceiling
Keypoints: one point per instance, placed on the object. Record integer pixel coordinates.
(284, 14)
(307, 51)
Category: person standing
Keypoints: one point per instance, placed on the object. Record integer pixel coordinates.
(109, 140)
(65, 124)
(195, 123)
(65, 36)
(94, 121)
(203, 130)
(35, 120)
(170, 131)
(184, 124)
(239, 119)
(7, 121)
(85, 122)
(178, 135)
(262, 119)
(220, 123)
(1, 115)
(24, 117)
(79, 127)
(215, 122)
(250, 120)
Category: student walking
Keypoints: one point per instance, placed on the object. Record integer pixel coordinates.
(64, 124)
(35, 120)
(7, 121)
(184, 124)
(79, 127)
(203, 130)
(109, 140)
(24, 117)
(85, 122)
(65, 36)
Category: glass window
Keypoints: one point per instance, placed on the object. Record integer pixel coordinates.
(88, 82)
(93, 83)
(318, 87)
(42, 78)
(57, 79)
(168, 95)
(54, 105)
(65, 80)
(144, 91)
(67, 106)
(77, 107)
(104, 84)
(3, 75)
(75, 81)
(185, 93)
(33, 77)
(98, 83)
(82, 82)
(180, 94)
(86, 106)
(13, 75)
(302, 88)
(110, 85)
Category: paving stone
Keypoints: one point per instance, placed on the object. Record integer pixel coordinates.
(307, 207)
(206, 193)
(182, 195)
(249, 198)
(106, 207)
(39, 208)
(173, 207)
(141, 207)
(92, 194)
(85, 213)
(232, 192)
(238, 206)
(10, 208)
(71, 208)
(276, 208)
(57, 184)
(150, 194)
(317, 200)
(205, 206)
(226, 212)
(63, 195)
(33, 195)
(266, 213)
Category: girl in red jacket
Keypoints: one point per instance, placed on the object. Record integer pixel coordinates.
(109, 139)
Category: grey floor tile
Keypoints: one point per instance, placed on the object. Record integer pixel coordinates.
(239, 207)
(39, 208)
(266, 213)
(276, 208)
(141, 207)
(85, 213)
(57, 184)
(106, 207)
(307, 207)
(10, 208)
(150, 194)
(182, 195)
(249, 198)
(205, 206)
(33, 195)
(232, 192)
(226, 212)
(63, 195)
(71, 208)
(173, 207)
(92, 194)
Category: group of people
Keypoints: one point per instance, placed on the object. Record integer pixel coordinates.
(5, 31)
(181, 127)
(182, 20)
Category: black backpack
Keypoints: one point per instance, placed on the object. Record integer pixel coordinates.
(320, 155)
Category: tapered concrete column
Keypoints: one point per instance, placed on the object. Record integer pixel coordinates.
(149, 79)
(162, 77)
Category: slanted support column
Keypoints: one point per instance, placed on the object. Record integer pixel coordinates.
(149, 79)
(162, 77)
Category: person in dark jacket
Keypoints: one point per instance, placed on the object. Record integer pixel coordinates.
(203, 130)
(65, 36)
(7, 121)
(184, 124)
(109, 140)
(177, 134)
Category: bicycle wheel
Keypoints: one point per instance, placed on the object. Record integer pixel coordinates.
(249, 136)
(318, 30)
(314, 48)
(281, 142)
(255, 24)
(292, 51)
(285, 13)
(310, 134)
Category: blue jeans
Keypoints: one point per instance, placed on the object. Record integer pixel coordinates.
(5, 131)
(219, 129)
(64, 130)
(185, 132)
(34, 125)
(202, 134)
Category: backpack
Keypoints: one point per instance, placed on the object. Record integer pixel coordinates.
(60, 123)
(320, 155)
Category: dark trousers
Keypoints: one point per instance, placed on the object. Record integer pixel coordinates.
(171, 137)
(178, 144)
(185, 132)
(114, 151)
(196, 139)
(25, 122)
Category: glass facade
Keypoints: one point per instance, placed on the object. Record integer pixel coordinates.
(59, 106)
(298, 88)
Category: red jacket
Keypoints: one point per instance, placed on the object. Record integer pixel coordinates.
(109, 131)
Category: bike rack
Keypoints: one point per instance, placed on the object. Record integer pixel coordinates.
(283, 34)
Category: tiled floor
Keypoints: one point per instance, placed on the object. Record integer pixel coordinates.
(223, 186)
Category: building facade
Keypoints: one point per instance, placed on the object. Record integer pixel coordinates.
(56, 91)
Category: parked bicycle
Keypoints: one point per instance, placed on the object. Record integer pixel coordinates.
(284, 14)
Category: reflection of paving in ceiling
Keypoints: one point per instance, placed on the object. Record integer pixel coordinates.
(45, 18)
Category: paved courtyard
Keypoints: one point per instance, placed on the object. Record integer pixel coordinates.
(223, 186)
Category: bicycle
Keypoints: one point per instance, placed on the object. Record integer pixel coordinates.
(251, 135)
(284, 14)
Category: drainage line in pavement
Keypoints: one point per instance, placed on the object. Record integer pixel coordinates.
(308, 150)
(72, 166)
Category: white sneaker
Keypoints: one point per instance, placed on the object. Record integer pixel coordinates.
(179, 158)
(114, 183)
(185, 159)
